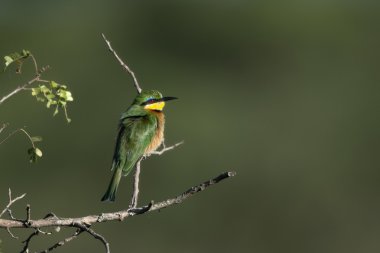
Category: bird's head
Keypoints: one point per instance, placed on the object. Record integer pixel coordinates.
(151, 100)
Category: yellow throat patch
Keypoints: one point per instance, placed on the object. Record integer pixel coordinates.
(155, 106)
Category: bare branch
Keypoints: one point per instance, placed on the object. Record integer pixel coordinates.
(125, 66)
(11, 201)
(52, 221)
(136, 183)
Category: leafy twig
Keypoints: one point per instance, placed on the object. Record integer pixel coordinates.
(54, 93)
(33, 152)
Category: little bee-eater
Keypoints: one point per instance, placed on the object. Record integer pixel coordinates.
(141, 131)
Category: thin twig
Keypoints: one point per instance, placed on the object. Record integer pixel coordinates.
(3, 127)
(11, 201)
(125, 66)
(28, 240)
(94, 234)
(136, 182)
(11, 215)
(19, 130)
(66, 240)
(35, 64)
(12, 235)
(164, 149)
(20, 88)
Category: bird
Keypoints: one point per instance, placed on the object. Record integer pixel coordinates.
(140, 132)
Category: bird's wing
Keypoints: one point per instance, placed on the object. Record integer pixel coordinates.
(134, 135)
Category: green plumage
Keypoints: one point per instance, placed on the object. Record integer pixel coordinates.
(137, 129)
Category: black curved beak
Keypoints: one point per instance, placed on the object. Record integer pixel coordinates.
(152, 101)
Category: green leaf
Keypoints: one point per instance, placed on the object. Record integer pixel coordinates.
(8, 60)
(54, 84)
(69, 97)
(35, 91)
(36, 138)
(38, 152)
(16, 57)
(50, 96)
(25, 53)
(44, 89)
(55, 111)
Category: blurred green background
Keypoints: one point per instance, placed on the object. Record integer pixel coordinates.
(285, 93)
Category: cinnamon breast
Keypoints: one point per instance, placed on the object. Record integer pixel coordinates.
(159, 135)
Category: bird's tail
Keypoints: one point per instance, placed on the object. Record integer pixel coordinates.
(112, 188)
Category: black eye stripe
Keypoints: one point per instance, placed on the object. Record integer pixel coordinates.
(149, 101)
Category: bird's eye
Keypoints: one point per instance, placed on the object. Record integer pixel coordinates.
(149, 101)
